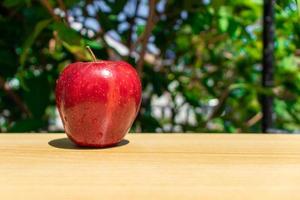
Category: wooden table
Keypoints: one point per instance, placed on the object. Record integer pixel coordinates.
(151, 166)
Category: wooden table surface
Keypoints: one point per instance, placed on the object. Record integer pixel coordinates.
(151, 166)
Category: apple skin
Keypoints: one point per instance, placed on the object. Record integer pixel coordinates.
(98, 101)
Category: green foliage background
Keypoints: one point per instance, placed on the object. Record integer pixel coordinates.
(204, 56)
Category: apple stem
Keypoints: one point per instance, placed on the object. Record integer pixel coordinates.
(91, 53)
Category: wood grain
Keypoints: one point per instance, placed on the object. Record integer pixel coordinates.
(151, 166)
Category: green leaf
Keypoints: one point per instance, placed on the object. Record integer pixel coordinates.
(79, 51)
(67, 34)
(94, 44)
(298, 6)
(223, 20)
(30, 39)
(71, 40)
(223, 23)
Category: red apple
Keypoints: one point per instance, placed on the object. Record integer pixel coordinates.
(98, 101)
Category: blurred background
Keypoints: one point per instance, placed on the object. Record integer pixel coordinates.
(199, 61)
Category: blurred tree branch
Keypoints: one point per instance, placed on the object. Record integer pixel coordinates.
(63, 7)
(131, 22)
(49, 8)
(221, 100)
(253, 120)
(11, 94)
(146, 35)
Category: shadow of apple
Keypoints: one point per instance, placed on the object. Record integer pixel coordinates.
(65, 143)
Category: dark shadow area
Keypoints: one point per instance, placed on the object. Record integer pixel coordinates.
(65, 143)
